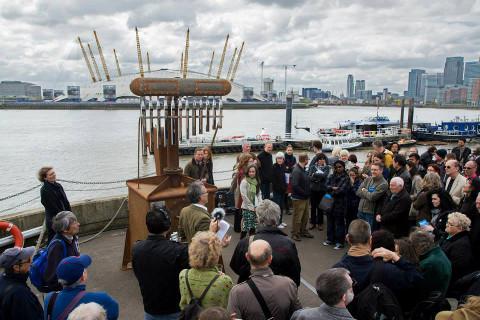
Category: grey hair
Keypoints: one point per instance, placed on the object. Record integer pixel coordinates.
(65, 283)
(88, 311)
(398, 181)
(422, 241)
(462, 221)
(194, 191)
(63, 220)
(260, 259)
(268, 213)
(332, 284)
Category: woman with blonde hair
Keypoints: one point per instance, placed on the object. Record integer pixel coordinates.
(430, 182)
(204, 277)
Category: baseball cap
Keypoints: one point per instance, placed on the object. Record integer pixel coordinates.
(71, 268)
(12, 256)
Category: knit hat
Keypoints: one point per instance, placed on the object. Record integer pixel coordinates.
(279, 155)
(71, 268)
(12, 256)
(442, 153)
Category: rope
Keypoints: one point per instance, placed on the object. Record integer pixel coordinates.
(20, 193)
(107, 225)
(19, 205)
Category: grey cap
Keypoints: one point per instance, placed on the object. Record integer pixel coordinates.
(12, 256)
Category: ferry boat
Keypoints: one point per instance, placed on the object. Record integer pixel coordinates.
(368, 124)
(448, 131)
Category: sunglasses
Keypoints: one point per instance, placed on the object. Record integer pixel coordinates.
(467, 168)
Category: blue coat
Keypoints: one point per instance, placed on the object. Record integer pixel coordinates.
(67, 295)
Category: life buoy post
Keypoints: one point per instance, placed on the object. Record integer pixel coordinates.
(14, 231)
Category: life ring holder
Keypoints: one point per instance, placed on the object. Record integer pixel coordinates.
(14, 231)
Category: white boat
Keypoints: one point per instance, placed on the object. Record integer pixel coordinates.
(347, 142)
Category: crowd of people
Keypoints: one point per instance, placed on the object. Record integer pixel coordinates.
(411, 223)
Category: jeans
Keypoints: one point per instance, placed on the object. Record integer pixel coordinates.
(278, 198)
(369, 217)
(300, 217)
(335, 228)
(265, 189)
(171, 316)
(316, 214)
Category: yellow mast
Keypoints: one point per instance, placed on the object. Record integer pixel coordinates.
(86, 60)
(236, 63)
(102, 58)
(139, 53)
(231, 64)
(118, 64)
(220, 66)
(211, 62)
(185, 56)
(181, 64)
(148, 62)
(99, 77)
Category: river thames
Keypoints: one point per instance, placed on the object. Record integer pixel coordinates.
(101, 145)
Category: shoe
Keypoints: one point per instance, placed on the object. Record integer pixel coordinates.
(327, 243)
(283, 224)
(280, 226)
(338, 246)
(312, 226)
(296, 237)
(319, 227)
(307, 235)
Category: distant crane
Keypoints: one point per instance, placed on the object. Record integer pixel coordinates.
(139, 53)
(92, 75)
(211, 62)
(118, 64)
(99, 77)
(185, 55)
(102, 58)
(229, 72)
(234, 72)
(220, 66)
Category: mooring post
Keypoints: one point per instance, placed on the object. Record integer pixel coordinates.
(402, 111)
(410, 114)
(288, 116)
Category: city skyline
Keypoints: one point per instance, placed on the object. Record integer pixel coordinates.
(40, 39)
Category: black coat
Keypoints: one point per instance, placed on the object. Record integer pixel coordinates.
(266, 166)
(300, 183)
(55, 255)
(279, 184)
(342, 182)
(290, 162)
(285, 256)
(318, 178)
(17, 301)
(459, 251)
(395, 212)
(405, 175)
(157, 263)
(462, 157)
(54, 200)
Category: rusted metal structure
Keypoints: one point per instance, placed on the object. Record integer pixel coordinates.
(170, 103)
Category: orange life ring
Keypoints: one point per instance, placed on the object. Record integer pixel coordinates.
(14, 231)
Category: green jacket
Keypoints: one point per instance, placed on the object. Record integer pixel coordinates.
(192, 219)
(217, 295)
(436, 270)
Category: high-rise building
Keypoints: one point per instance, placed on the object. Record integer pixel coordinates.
(359, 86)
(453, 72)
(350, 88)
(385, 94)
(472, 70)
(73, 93)
(415, 83)
(431, 84)
(454, 94)
(268, 84)
(47, 94)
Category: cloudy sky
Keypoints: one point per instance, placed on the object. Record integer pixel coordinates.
(379, 41)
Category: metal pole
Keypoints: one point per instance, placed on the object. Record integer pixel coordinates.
(285, 83)
(288, 120)
(402, 114)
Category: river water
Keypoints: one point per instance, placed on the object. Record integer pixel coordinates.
(101, 145)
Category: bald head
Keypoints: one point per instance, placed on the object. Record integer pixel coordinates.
(259, 254)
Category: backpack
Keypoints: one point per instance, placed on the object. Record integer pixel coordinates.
(193, 309)
(39, 264)
(377, 302)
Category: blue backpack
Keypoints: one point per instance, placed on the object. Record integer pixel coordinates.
(39, 264)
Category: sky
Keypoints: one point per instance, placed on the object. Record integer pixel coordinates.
(378, 41)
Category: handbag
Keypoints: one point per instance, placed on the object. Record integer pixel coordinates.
(326, 203)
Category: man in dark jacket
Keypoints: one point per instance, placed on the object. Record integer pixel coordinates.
(266, 169)
(300, 196)
(400, 170)
(64, 244)
(17, 301)
(427, 157)
(157, 263)
(285, 256)
(52, 196)
(196, 168)
(394, 213)
(461, 151)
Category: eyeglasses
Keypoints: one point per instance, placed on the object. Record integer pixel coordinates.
(448, 167)
(467, 168)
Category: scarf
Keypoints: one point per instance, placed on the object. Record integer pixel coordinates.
(251, 188)
(359, 251)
